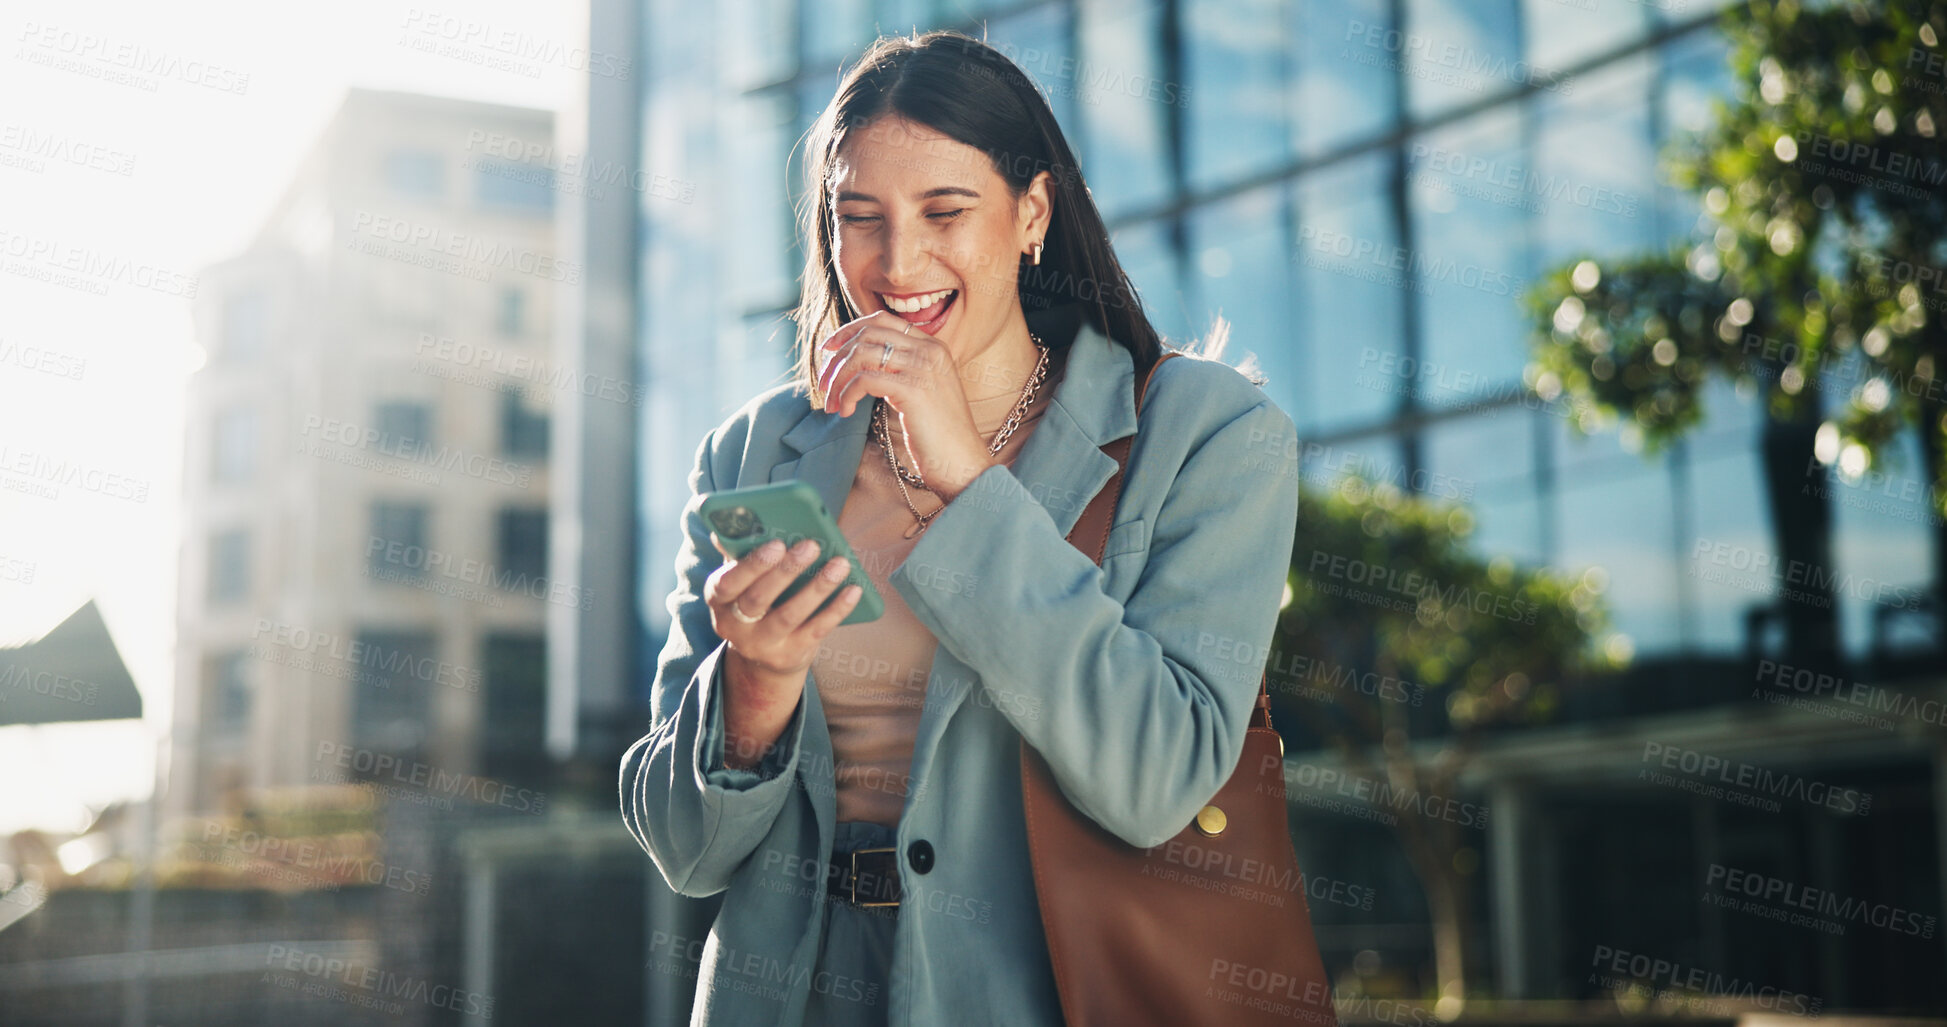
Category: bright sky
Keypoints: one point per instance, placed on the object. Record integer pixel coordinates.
(203, 167)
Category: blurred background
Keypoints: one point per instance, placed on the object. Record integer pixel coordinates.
(352, 361)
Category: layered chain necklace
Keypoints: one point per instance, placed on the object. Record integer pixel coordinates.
(903, 477)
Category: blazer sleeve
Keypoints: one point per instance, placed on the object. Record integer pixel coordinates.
(698, 819)
(1140, 709)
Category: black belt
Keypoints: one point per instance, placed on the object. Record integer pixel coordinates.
(864, 877)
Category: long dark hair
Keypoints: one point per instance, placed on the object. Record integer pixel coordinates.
(963, 88)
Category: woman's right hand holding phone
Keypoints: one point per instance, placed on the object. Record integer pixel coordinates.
(766, 660)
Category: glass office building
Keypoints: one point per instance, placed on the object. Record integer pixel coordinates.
(1363, 189)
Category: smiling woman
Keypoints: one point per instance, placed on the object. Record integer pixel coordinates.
(857, 790)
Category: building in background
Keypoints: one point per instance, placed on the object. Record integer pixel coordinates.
(1364, 189)
(364, 557)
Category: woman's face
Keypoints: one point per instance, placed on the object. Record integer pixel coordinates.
(923, 226)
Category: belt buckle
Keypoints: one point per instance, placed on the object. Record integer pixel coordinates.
(852, 883)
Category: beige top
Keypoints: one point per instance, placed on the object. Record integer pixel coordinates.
(871, 677)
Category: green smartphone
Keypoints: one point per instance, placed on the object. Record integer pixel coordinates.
(791, 510)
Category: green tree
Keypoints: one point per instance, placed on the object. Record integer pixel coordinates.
(1400, 648)
(1819, 265)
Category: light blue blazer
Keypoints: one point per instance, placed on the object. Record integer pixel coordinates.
(1135, 681)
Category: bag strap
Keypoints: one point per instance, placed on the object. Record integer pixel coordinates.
(1091, 533)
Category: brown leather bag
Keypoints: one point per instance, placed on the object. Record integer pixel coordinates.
(1207, 928)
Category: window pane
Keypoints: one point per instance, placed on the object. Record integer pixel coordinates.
(1471, 265)
(834, 30)
(229, 565)
(1149, 260)
(234, 438)
(405, 428)
(1565, 32)
(1374, 458)
(246, 324)
(1037, 41)
(1614, 511)
(398, 539)
(231, 698)
(1487, 462)
(1595, 165)
(1695, 74)
(1350, 310)
(522, 547)
(761, 213)
(513, 736)
(523, 424)
(512, 186)
(396, 672)
(1453, 52)
(1345, 91)
(512, 315)
(420, 174)
(1881, 522)
(764, 33)
(1124, 138)
(1233, 56)
(1242, 271)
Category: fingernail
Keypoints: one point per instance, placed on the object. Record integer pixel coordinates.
(803, 550)
(837, 569)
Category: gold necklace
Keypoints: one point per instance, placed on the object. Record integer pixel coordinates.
(901, 476)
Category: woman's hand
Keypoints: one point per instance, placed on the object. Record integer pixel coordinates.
(921, 383)
(764, 667)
